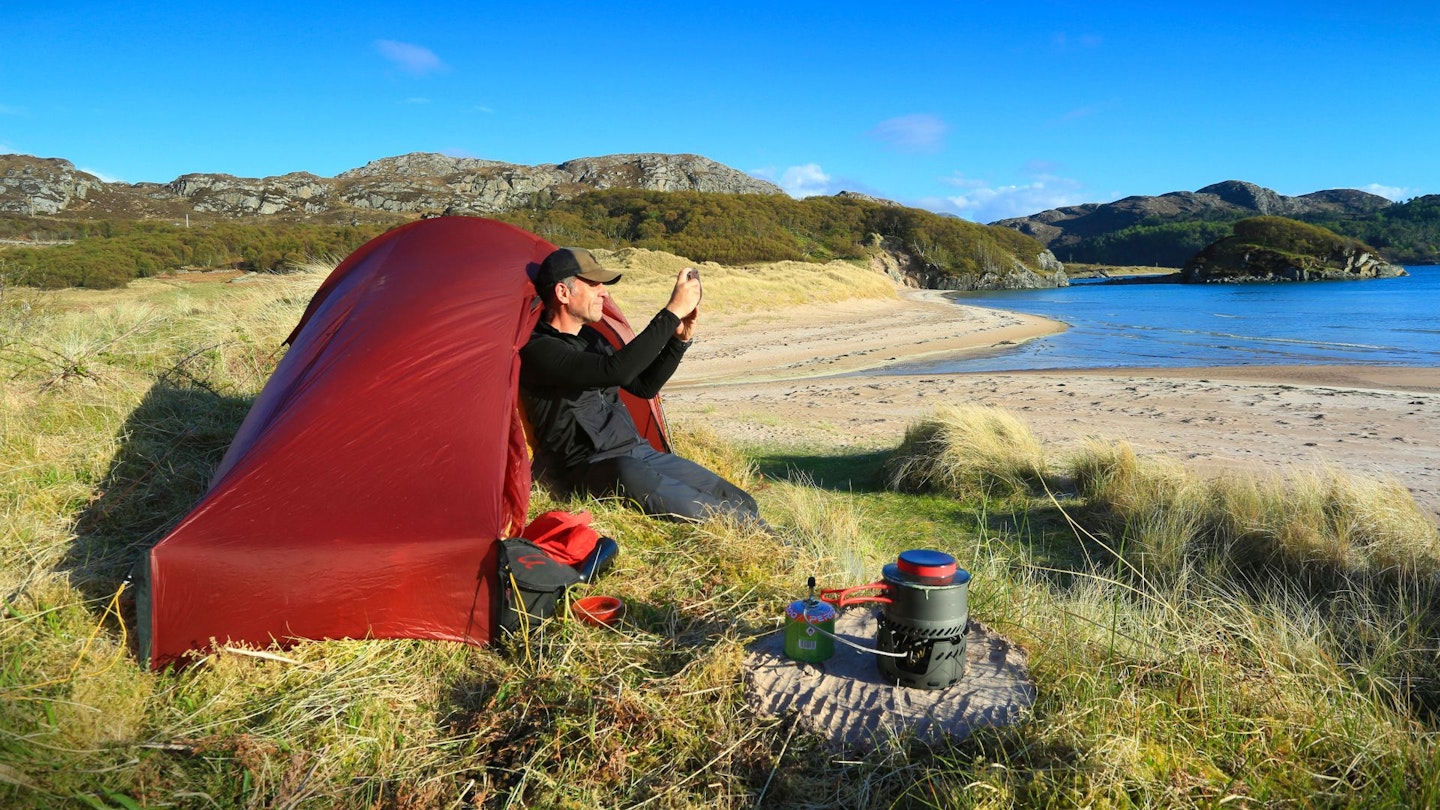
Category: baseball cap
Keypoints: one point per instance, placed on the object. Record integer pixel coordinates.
(570, 261)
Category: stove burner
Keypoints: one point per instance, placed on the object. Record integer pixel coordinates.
(924, 616)
(935, 658)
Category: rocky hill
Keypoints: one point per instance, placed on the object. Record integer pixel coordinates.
(31, 185)
(1078, 232)
(64, 227)
(417, 183)
(1279, 249)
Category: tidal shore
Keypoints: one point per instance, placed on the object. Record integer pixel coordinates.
(800, 381)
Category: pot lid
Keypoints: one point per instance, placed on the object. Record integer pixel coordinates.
(923, 562)
(926, 567)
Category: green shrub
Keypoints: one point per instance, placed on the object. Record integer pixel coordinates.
(1292, 236)
(111, 253)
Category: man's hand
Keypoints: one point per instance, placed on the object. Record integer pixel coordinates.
(686, 295)
(686, 329)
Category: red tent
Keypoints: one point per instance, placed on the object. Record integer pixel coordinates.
(364, 493)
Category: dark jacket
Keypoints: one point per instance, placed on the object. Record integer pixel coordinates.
(570, 387)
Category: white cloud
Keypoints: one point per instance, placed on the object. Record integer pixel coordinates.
(417, 100)
(412, 59)
(975, 199)
(1396, 193)
(983, 201)
(18, 112)
(921, 132)
(107, 178)
(808, 180)
(482, 108)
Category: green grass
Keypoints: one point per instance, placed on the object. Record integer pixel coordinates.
(1250, 640)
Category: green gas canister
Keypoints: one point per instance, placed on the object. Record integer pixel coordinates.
(809, 629)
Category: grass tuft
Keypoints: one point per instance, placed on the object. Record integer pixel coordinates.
(968, 451)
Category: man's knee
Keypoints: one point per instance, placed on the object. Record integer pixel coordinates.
(666, 485)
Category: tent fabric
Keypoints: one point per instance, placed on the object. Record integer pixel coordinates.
(364, 494)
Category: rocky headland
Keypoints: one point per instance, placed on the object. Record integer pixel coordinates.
(1278, 249)
(1001, 271)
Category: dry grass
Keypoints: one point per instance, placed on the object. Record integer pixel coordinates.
(116, 406)
(1202, 629)
(1168, 674)
(650, 275)
(1324, 526)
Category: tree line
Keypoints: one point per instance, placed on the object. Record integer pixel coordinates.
(110, 253)
(746, 228)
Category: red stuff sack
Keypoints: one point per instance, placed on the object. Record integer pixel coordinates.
(566, 537)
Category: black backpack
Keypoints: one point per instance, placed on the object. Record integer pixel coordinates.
(532, 585)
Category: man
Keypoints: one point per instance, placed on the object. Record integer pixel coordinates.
(570, 381)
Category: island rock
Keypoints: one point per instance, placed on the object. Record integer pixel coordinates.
(1279, 249)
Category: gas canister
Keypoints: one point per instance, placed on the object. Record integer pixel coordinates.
(810, 629)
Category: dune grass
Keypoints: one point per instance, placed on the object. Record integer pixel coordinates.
(967, 451)
(1217, 629)
(649, 277)
(1194, 642)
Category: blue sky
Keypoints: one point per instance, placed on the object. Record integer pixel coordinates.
(982, 109)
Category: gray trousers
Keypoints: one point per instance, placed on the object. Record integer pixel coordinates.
(665, 485)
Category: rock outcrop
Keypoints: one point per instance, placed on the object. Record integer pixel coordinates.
(856, 195)
(227, 194)
(31, 185)
(406, 184)
(890, 257)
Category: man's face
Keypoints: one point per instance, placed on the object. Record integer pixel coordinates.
(587, 299)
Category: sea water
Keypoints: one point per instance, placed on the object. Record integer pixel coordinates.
(1390, 322)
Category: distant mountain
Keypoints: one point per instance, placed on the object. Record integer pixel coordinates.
(416, 183)
(1170, 229)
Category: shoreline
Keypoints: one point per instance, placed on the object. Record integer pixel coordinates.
(1361, 378)
(850, 337)
(795, 383)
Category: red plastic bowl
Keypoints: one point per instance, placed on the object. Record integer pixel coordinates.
(597, 610)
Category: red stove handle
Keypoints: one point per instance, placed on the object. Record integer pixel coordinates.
(840, 597)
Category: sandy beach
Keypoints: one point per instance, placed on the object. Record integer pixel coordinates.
(810, 379)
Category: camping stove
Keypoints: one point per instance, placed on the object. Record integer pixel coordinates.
(921, 635)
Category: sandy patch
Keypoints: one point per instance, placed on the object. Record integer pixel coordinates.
(849, 703)
(792, 382)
